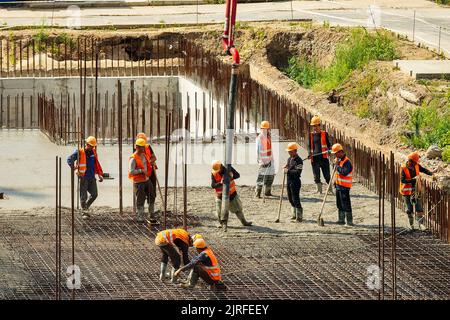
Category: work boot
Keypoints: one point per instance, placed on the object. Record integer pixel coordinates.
(191, 282)
(294, 214)
(319, 187)
(330, 191)
(162, 272)
(151, 213)
(224, 225)
(299, 214)
(140, 214)
(258, 192)
(268, 191)
(349, 218)
(242, 219)
(411, 221)
(85, 214)
(341, 217)
(173, 278)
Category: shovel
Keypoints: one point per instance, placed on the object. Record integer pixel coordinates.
(320, 219)
(281, 198)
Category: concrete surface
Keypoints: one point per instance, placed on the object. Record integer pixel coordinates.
(425, 69)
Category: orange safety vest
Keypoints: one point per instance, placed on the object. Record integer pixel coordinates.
(345, 181)
(141, 177)
(170, 235)
(214, 270)
(82, 162)
(218, 177)
(265, 153)
(406, 189)
(323, 140)
(150, 154)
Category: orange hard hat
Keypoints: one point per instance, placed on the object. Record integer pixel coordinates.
(91, 141)
(414, 156)
(199, 244)
(336, 148)
(141, 135)
(265, 124)
(215, 166)
(292, 146)
(315, 120)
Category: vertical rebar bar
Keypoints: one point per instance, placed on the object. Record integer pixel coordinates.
(119, 119)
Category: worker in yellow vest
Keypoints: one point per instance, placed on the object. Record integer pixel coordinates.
(85, 162)
(217, 173)
(205, 266)
(266, 171)
(319, 149)
(343, 181)
(167, 240)
(139, 172)
(410, 172)
(151, 155)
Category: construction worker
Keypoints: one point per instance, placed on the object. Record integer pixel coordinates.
(343, 182)
(319, 149)
(266, 171)
(293, 170)
(410, 172)
(87, 166)
(151, 155)
(204, 266)
(166, 240)
(235, 206)
(139, 172)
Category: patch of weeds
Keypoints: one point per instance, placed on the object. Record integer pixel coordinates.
(363, 110)
(241, 25)
(326, 24)
(303, 72)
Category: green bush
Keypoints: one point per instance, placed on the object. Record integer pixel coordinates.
(304, 72)
(446, 154)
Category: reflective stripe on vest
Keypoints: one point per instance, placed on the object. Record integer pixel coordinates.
(265, 152)
(345, 181)
(82, 164)
(218, 177)
(167, 235)
(323, 141)
(141, 177)
(214, 270)
(406, 189)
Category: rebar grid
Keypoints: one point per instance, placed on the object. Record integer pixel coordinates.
(118, 260)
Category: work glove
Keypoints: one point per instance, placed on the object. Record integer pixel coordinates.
(100, 178)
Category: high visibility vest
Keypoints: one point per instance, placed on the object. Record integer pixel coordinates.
(214, 270)
(265, 152)
(345, 181)
(323, 142)
(218, 177)
(82, 166)
(149, 153)
(406, 189)
(141, 177)
(170, 235)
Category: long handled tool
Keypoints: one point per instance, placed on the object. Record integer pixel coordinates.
(313, 155)
(319, 219)
(281, 198)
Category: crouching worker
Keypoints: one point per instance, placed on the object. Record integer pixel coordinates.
(204, 266)
(217, 173)
(293, 170)
(167, 240)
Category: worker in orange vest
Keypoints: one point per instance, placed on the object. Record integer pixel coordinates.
(167, 240)
(343, 181)
(205, 266)
(319, 149)
(85, 162)
(266, 171)
(293, 170)
(139, 172)
(235, 206)
(410, 172)
(151, 155)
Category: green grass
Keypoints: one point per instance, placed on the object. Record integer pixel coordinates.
(354, 53)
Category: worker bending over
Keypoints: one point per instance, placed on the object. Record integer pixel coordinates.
(87, 166)
(319, 148)
(167, 240)
(293, 170)
(408, 187)
(235, 205)
(343, 182)
(204, 266)
(266, 171)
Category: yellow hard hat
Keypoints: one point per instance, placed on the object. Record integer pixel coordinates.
(315, 120)
(91, 141)
(141, 142)
(292, 146)
(196, 236)
(336, 148)
(265, 124)
(199, 244)
(141, 135)
(215, 166)
(160, 240)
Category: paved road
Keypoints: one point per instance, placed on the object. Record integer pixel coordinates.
(344, 12)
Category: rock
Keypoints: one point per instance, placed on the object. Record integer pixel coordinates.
(444, 183)
(409, 96)
(433, 152)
